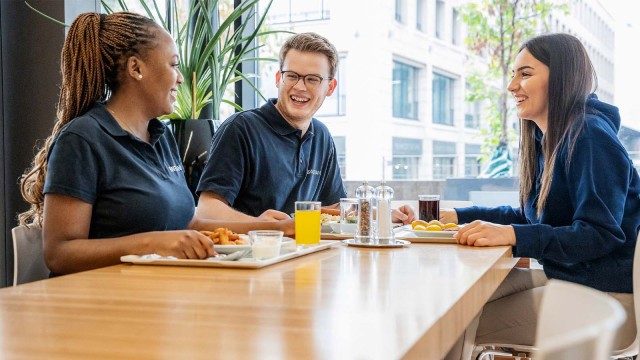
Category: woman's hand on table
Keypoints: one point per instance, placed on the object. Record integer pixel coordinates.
(404, 214)
(482, 233)
(183, 244)
(273, 215)
(448, 216)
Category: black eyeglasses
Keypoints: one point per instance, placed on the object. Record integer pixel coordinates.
(311, 81)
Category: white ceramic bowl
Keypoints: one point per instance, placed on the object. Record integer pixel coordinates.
(343, 228)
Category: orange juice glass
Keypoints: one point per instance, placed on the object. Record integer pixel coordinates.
(307, 220)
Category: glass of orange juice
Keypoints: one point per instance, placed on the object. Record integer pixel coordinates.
(307, 220)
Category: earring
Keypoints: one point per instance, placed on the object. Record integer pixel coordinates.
(140, 77)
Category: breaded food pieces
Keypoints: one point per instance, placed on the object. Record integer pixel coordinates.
(224, 236)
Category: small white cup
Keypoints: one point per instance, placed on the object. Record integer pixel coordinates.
(265, 244)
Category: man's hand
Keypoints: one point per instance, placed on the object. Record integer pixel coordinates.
(273, 215)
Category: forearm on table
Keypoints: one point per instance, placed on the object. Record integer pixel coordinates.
(69, 256)
(213, 206)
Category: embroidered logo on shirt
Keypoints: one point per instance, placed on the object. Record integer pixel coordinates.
(175, 168)
(314, 172)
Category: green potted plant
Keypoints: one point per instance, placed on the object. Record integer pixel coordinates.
(213, 41)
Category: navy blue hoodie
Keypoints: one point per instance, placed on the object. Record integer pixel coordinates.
(588, 228)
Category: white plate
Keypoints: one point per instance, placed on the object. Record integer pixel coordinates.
(244, 263)
(396, 244)
(228, 249)
(424, 233)
(340, 228)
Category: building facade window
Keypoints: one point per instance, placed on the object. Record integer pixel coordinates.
(455, 28)
(471, 112)
(398, 11)
(472, 164)
(336, 104)
(341, 154)
(420, 15)
(442, 109)
(439, 19)
(444, 160)
(289, 11)
(405, 91)
(406, 158)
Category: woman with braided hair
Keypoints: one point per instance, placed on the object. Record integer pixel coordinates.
(109, 181)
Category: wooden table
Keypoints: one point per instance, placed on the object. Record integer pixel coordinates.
(342, 303)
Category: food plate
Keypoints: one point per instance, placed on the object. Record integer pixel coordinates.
(396, 244)
(228, 249)
(421, 236)
(243, 263)
(338, 228)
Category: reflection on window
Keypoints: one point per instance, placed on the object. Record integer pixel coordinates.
(471, 160)
(406, 158)
(336, 104)
(442, 100)
(405, 91)
(341, 154)
(288, 11)
(444, 160)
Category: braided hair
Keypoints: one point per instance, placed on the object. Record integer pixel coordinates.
(94, 56)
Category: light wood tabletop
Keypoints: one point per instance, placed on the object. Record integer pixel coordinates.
(341, 303)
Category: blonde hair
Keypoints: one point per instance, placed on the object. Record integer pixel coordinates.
(95, 52)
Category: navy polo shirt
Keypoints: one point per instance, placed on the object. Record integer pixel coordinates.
(258, 162)
(133, 186)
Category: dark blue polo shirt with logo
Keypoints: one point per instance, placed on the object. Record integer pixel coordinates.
(133, 186)
(258, 162)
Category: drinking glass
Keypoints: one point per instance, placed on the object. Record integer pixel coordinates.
(348, 215)
(307, 218)
(265, 244)
(429, 207)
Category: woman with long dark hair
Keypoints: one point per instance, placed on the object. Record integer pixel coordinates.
(579, 211)
(109, 181)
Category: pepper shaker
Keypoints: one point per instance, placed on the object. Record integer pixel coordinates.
(364, 230)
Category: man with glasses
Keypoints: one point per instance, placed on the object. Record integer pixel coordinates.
(265, 159)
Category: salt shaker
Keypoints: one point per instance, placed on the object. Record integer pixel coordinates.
(364, 230)
(383, 196)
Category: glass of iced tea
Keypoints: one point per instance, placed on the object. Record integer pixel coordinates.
(429, 207)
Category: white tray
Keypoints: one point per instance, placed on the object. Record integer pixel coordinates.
(396, 244)
(244, 263)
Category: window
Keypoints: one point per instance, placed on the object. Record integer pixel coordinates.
(405, 91)
(471, 160)
(439, 19)
(455, 28)
(471, 113)
(341, 154)
(442, 110)
(336, 104)
(288, 11)
(444, 160)
(398, 10)
(406, 158)
(420, 15)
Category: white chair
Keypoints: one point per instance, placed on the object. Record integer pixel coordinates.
(489, 350)
(28, 256)
(576, 322)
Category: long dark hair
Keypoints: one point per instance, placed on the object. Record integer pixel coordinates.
(94, 54)
(571, 80)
